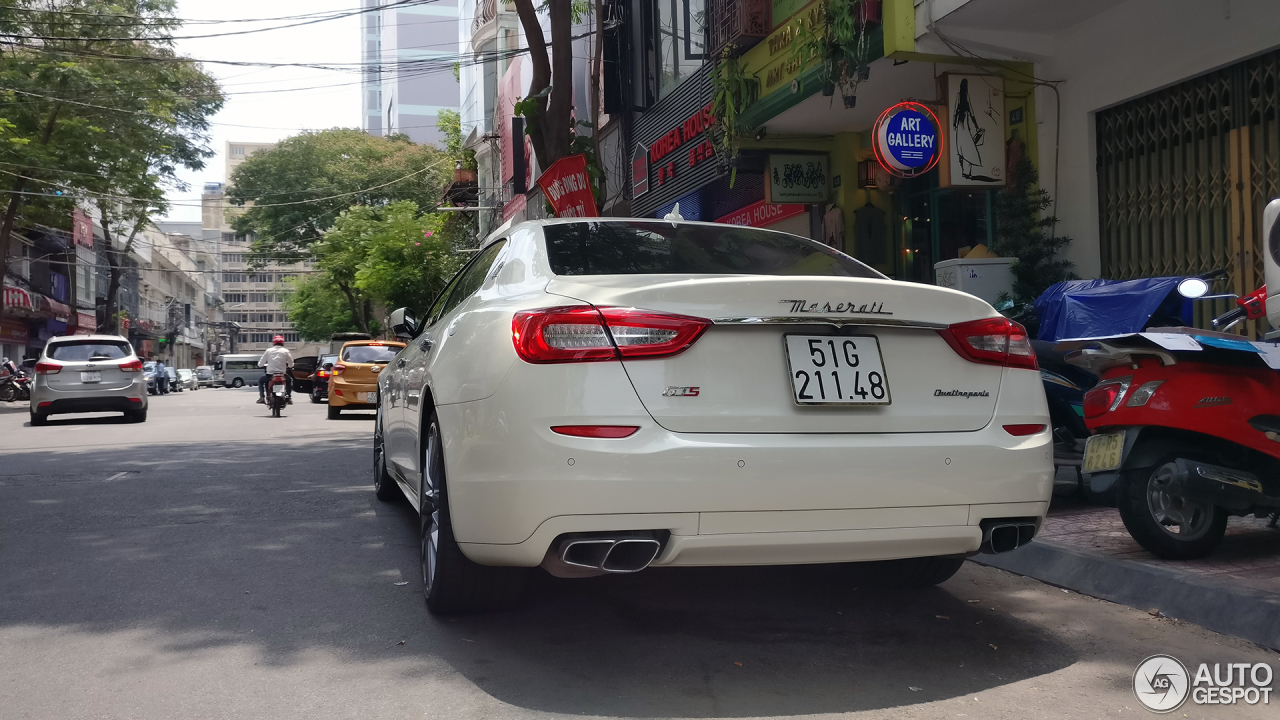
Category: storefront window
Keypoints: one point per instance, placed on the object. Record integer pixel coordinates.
(682, 41)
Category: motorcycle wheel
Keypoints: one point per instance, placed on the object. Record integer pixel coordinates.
(275, 408)
(1169, 526)
(8, 393)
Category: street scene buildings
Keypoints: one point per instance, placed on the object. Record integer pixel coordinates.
(640, 359)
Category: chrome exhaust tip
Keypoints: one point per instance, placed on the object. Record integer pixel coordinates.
(630, 555)
(1001, 536)
(588, 554)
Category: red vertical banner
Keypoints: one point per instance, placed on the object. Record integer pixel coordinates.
(81, 228)
(567, 186)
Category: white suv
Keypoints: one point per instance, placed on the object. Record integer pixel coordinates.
(88, 373)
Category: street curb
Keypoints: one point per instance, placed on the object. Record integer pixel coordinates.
(1243, 612)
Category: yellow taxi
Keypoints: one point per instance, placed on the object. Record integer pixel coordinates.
(354, 382)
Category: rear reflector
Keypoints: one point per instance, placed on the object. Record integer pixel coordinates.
(45, 367)
(595, 431)
(46, 403)
(992, 341)
(137, 400)
(1021, 430)
(582, 333)
(134, 365)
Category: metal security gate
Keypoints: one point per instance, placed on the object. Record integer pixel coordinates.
(1184, 174)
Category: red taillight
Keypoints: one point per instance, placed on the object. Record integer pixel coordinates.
(587, 334)
(337, 369)
(1104, 397)
(44, 367)
(595, 431)
(993, 341)
(323, 374)
(1023, 430)
(134, 365)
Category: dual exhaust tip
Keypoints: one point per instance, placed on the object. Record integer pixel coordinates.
(606, 553)
(1001, 536)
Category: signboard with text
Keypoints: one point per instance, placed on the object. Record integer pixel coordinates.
(907, 139)
(801, 179)
(567, 186)
(761, 214)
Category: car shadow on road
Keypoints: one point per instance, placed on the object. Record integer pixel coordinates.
(283, 549)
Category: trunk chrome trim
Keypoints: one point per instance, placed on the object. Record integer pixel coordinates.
(826, 320)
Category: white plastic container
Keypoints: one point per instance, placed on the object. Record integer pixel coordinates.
(984, 277)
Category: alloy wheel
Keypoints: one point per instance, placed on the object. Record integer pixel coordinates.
(429, 510)
(1178, 517)
(378, 450)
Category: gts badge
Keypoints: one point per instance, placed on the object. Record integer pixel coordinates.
(673, 391)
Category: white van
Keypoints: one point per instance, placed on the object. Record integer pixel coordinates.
(237, 370)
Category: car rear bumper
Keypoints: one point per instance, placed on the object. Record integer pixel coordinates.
(89, 404)
(742, 499)
(347, 394)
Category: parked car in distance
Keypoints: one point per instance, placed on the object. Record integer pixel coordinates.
(304, 368)
(320, 380)
(354, 383)
(204, 376)
(88, 373)
(187, 380)
(149, 370)
(173, 379)
(598, 396)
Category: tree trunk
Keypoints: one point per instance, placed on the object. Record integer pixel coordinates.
(549, 128)
(11, 214)
(115, 267)
(358, 310)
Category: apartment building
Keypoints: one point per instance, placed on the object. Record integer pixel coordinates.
(250, 297)
(408, 53)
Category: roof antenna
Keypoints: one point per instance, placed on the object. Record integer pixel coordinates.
(674, 216)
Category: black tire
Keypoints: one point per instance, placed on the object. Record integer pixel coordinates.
(334, 412)
(315, 397)
(38, 419)
(912, 572)
(451, 583)
(237, 383)
(8, 393)
(1151, 515)
(384, 486)
(275, 408)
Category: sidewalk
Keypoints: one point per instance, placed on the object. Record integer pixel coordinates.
(1236, 590)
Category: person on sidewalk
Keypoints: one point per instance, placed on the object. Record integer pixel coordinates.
(277, 360)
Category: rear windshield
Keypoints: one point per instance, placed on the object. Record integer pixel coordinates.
(86, 350)
(370, 353)
(653, 248)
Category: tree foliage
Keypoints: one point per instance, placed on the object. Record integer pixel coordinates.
(391, 256)
(94, 102)
(294, 192)
(1023, 232)
(318, 308)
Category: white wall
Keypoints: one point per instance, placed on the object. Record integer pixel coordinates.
(1126, 52)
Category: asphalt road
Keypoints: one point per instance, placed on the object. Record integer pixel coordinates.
(217, 563)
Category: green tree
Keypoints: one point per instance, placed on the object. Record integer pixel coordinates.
(450, 124)
(1025, 233)
(318, 309)
(95, 103)
(294, 192)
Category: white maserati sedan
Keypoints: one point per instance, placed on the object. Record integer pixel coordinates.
(601, 395)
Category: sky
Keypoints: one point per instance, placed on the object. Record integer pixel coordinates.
(262, 104)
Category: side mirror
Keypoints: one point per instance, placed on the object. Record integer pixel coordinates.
(1192, 288)
(403, 324)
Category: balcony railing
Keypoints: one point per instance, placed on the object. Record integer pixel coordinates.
(486, 12)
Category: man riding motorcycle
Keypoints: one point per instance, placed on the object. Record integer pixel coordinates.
(277, 361)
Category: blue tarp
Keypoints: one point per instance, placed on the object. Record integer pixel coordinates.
(1098, 308)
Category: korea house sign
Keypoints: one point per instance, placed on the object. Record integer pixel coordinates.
(673, 153)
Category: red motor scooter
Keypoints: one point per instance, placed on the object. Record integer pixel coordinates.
(277, 396)
(1186, 423)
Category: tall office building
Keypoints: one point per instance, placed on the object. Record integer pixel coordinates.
(250, 296)
(408, 53)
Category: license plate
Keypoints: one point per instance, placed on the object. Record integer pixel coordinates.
(1103, 452)
(89, 376)
(279, 390)
(837, 370)
(364, 397)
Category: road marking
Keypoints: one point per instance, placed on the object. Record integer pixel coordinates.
(117, 476)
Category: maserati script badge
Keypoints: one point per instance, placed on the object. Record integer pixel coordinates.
(807, 306)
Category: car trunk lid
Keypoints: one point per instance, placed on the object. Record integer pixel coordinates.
(738, 376)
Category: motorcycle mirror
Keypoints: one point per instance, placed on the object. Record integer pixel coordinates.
(1192, 288)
